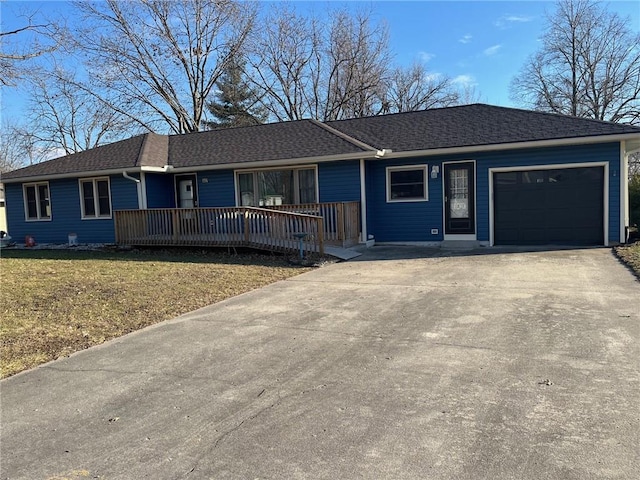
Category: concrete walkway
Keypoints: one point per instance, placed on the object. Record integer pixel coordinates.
(405, 363)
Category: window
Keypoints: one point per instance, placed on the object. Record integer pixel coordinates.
(270, 187)
(95, 198)
(37, 204)
(407, 184)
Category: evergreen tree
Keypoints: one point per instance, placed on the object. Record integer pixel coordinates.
(235, 103)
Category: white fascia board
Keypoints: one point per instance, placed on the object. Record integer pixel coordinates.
(165, 169)
(512, 146)
(277, 163)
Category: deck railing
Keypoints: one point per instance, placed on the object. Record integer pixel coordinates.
(341, 220)
(234, 227)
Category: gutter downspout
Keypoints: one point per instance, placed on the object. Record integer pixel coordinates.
(138, 189)
(363, 202)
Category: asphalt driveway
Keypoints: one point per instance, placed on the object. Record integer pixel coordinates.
(404, 364)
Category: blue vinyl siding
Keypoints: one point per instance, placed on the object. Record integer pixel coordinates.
(160, 190)
(66, 213)
(409, 222)
(217, 189)
(339, 181)
(403, 221)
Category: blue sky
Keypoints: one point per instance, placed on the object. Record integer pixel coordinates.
(477, 42)
(481, 43)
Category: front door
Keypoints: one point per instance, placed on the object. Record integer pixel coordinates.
(186, 192)
(459, 198)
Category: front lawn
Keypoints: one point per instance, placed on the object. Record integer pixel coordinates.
(56, 302)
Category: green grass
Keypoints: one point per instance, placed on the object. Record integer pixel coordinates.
(56, 302)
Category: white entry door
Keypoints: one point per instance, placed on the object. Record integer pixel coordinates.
(186, 191)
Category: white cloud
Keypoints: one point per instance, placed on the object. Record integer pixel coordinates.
(508, 20)
(491, 50)
(50, 153)
(425, 56)
(433, 77)
(465, 80)
(466, 38)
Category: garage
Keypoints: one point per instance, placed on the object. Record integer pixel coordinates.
(560, 206)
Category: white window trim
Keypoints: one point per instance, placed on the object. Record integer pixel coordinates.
(26, 206)
(389, 170)
(96, 202)
(296, 186)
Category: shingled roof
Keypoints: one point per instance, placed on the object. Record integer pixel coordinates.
(453, 127)
(471, 125)
(119, 155)
(271, 142)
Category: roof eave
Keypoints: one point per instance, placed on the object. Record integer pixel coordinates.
(513, 145)
(278, 163)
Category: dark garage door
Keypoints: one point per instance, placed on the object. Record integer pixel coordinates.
(549, 207)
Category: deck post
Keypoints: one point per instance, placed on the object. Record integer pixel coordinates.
(247, 234)
(340, 221)
(321, 235)
(176, 225)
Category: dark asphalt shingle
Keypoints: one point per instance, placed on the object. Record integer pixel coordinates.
(122, 154)
(470, 125)
(274, 141)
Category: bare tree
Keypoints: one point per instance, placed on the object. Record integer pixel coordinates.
(285, 65)
(11, 153)
(588, 65)
(414, 88)
(306, 68)
(32, 40)
(357, 65)
(157, 61)
(64, 117)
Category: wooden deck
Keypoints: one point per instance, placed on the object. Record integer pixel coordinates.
(272, 229)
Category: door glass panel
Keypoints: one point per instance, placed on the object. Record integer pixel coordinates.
(459, 193)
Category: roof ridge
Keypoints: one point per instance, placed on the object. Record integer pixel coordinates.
(344, 136)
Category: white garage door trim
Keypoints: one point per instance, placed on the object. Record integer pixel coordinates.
(605, 200)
